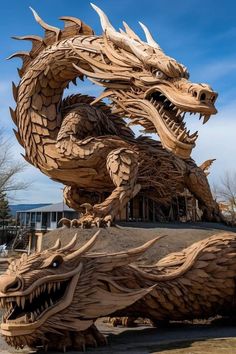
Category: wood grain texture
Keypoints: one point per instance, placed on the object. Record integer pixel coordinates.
(68, 137)
(52, 298)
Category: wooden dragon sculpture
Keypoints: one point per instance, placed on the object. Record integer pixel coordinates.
(52, 298)
(84, 143)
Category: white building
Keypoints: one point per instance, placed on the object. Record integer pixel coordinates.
(45, 218)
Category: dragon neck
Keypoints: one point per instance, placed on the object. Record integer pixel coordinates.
(39, 96)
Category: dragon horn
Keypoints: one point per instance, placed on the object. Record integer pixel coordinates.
(56, 246)
(149, 37)
(137, 251)
(131, 33)
(119, 39)
(44, 25)
(118, 259)
(140, 54)
(70, 245)
(105, 23)
(84, 248)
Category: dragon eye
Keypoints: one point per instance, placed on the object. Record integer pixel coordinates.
(55, 264)
(159, 74)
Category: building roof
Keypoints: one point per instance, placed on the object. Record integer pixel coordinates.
(58, 207)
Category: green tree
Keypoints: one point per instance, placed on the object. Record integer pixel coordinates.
(5, 213)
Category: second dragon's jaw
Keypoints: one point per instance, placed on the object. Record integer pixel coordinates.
(30, 308)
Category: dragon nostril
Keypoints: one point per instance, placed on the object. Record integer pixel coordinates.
(213, 98)
(14, 285)
(194, 93)
(203, 97)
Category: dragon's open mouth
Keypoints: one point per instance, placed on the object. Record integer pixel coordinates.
(30, 308)
(173, 117)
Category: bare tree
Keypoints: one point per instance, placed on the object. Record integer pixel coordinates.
(225, 193)
(9, 167)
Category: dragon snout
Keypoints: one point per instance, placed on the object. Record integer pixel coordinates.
(10, 283)
(204, 93)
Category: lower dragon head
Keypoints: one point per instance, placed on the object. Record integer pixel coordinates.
(62, 289)
(147, 86)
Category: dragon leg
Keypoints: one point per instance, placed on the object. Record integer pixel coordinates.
(72, 340)
(198, 185)
(89, 338)
(122, 165)
(74, 197)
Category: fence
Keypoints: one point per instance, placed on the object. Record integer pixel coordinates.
(8, 234)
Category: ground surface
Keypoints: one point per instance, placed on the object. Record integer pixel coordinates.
(178, 236)
(215, 337)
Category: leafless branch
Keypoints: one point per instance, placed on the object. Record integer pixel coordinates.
(225, 193)
(9, 167)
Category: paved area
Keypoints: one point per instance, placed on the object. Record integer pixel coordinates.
(175, 339)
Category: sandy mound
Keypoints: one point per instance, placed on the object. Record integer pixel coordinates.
(178, 236)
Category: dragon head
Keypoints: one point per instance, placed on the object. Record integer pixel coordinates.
(147, 86)
(63, 289)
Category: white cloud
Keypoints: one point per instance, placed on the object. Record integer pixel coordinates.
(216, 70)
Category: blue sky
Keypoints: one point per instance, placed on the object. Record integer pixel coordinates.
(200, 34)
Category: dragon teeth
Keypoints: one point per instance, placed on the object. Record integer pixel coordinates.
(182, 116)
(49, 287)
(193, 135)
(23, 302)
(179, 112)
(182, 135)
(206, 118)
(177, 130)
(18, 301)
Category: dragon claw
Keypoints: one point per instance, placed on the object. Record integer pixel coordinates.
(88, 207)
(122, 321)
(87, 221)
